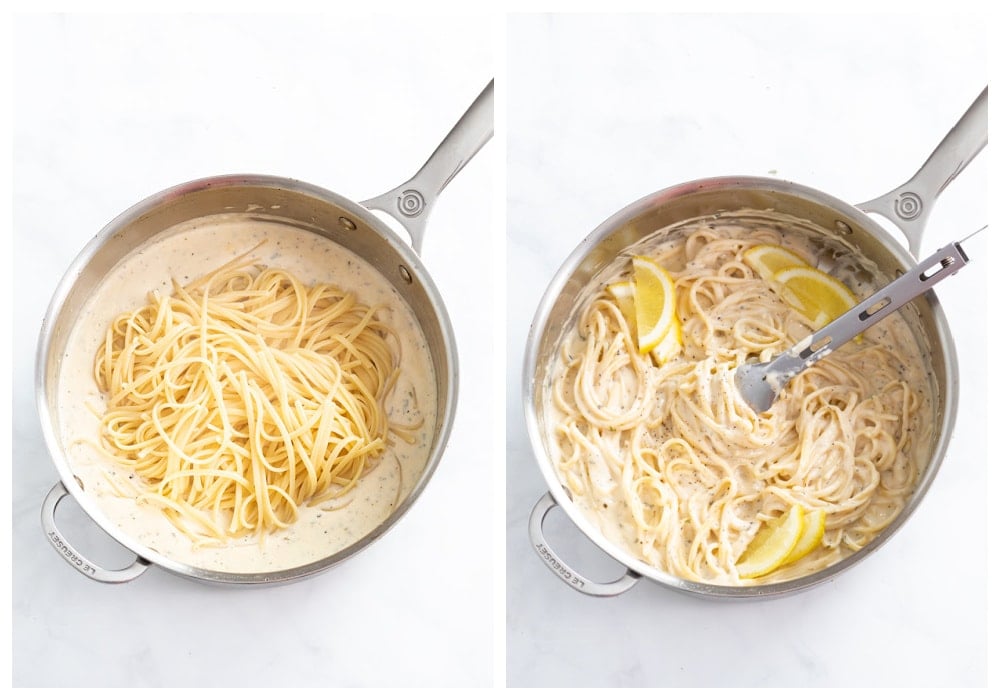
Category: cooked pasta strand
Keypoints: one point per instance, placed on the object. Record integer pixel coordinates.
(678, 470)
(245, 395)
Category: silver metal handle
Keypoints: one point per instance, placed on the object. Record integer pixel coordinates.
(411, 202)
(566, 574)
(74, 558)
(908, 205)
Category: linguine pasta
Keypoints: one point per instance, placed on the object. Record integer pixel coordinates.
(245, 395)
(677, 470)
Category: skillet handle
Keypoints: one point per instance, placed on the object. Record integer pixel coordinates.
(908, 205)
(567, 575)
(411, 202)
(75, 559)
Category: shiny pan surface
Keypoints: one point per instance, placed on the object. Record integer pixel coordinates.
(306, 207)
(907, 207)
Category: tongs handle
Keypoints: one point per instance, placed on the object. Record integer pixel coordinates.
(904, 289)
(760, 383)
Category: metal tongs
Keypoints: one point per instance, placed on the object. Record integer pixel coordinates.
(760, 383)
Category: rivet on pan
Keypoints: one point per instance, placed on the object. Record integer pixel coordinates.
(843, 227)
(347, 223)
(908, 206)
(405, 274)
(410, 203)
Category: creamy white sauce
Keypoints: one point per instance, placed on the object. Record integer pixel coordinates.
(185, 253)
(602, 504)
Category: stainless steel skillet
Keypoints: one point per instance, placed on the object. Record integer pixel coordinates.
(314, 209)
(712, 199)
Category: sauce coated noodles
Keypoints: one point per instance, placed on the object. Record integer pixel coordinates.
(677, 470)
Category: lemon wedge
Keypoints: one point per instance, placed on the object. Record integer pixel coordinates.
(655, 303)
(816, 295)
(623, 295)
(670, 346)
(812, 534)
(773, 543)
(768, 260)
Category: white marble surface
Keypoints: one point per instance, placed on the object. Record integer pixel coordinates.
(109, 110)
(603, 110)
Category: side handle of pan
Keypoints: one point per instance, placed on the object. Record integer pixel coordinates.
(411, 202)
(74, 558)
(566, 574)
(908, 205)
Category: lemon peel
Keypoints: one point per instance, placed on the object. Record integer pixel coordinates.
(812, 534)
(655, 303)
(623, 294)
(767, 260)
(815, 294)
(670, 346)
(773, 544)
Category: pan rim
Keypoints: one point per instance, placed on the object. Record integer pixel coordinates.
(44, 389)
(948, 386)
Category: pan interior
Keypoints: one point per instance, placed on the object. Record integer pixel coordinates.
(710, 201)
(239, 212)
